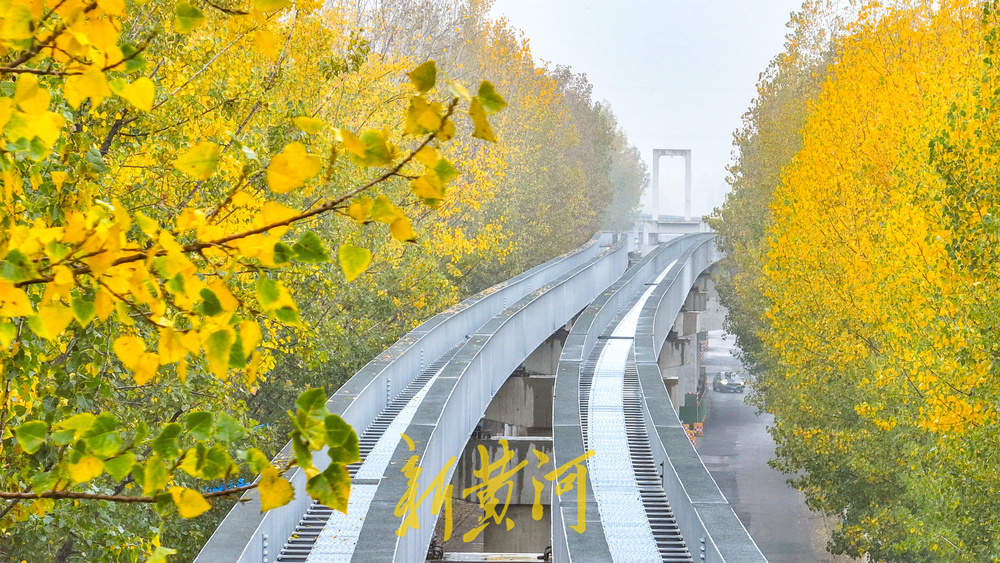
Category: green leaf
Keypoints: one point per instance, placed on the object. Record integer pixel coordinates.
(118, 467)
(312, 402)
(102, 437)
(217, 350)
(445, 171)
(199, 424)
(83, 310)
(287, 315)
(167, 445)
(154, 475)
(164, 505)
(282, 253)
(78, 424)
(424, 76)
(268, 292)
(134, 61)
(44, 481)
(332, 487)
(342, 440)
(300, 447)
(96, 162)
(187, 17)
(353, 260)
(216, 464)
(16, 267)
(228, 429)
(309, 249)
(237, 358)
(481, 126)
(376, 150)
(31, 435)
(492, 102)
(257, 460)
(210, 304)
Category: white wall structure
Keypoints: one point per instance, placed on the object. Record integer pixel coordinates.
(656, 207)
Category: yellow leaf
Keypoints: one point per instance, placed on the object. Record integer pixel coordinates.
(45, 125)
(112, 7)
(200, 161)
(309, 124)
(103, 304)
(170, 347)
(447, 130)
(51, 321)
(266, 43)
(17, 22)
(131, 351)
(291, 168)
(428, 156)
(274, 490)
(91, 84)
(250, 335)
(384, 211)
(14, 301)
(29, 96)
(481, 125)
(190, 219)
(274, 212)
(85, 469)
(351, 142)
(353, 260)
(147, 225)
(402, 231)
(189, 502)
(428, 187)
(218, 344)
(360, 209)
(139, 93)
(271, 5)
(225, 297)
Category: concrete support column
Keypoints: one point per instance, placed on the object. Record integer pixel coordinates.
(521, 414)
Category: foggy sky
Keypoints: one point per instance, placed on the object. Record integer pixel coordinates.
(677, 74)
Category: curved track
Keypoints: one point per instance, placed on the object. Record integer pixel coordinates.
(436, 382)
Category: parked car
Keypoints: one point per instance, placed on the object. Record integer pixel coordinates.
(728, 381)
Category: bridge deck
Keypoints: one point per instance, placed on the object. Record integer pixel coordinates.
(436, 383)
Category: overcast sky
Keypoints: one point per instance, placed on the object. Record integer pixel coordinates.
(678, 74)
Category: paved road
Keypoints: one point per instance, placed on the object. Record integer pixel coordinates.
(736, 448)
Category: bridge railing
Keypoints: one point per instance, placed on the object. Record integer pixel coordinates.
(246, 535)
(459, 397)
(567, 437)
(707, 522)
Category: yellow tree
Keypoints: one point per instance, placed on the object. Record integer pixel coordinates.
(161, 163)
(876, 371)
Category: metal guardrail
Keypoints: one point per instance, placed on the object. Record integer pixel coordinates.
(567, 434)
(708, 523)
(246, 535)
(459, 397)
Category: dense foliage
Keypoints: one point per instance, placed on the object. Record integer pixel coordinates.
(178, 175)
(862, 231)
